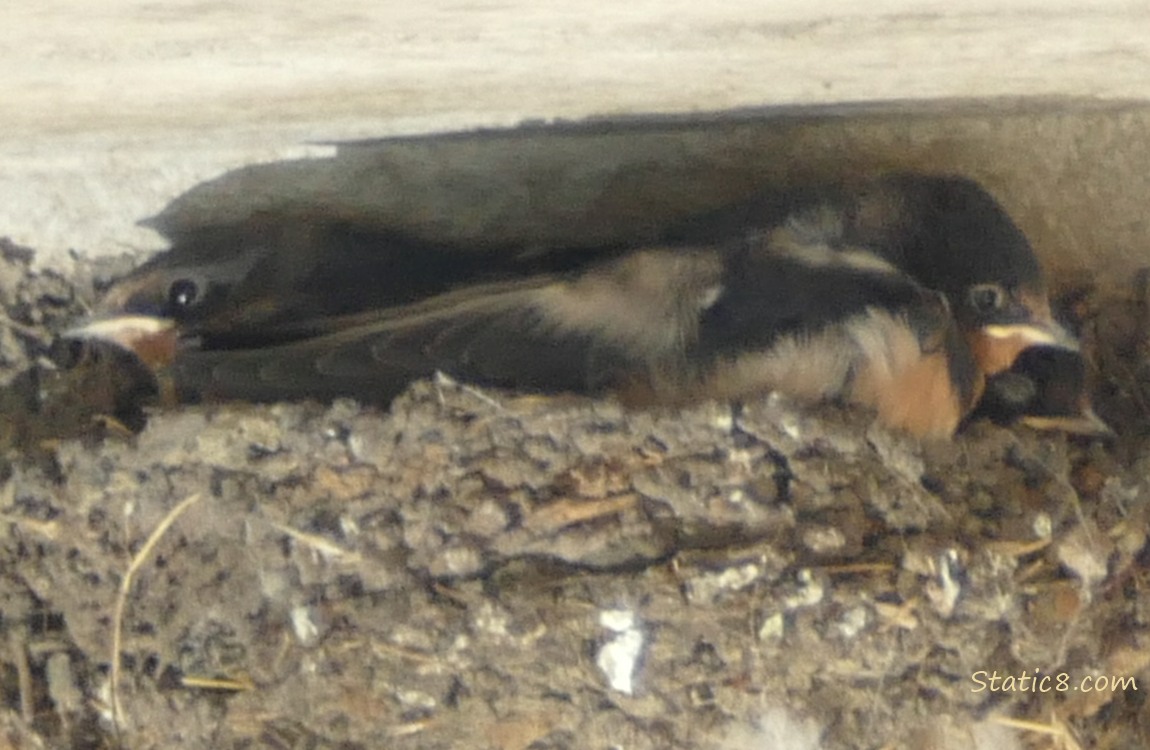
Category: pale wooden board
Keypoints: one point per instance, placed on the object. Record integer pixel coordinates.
(111, 111)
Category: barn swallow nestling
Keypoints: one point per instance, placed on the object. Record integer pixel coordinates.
(946, 232)
(236, 284)
(902, 293)
(1045, 388)
(657, 326)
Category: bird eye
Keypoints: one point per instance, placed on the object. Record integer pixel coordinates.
(987, 297)
(182, 294)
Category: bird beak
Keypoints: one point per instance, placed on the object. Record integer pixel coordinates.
(1037, 333)
(151, 339)
(1086, 423)
(996, 346)
(1026, 321)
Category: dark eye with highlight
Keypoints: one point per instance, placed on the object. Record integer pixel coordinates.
(182, 294)
(986, 298)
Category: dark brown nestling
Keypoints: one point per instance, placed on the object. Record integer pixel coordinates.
(946, 232)
(902, 293)
(659, 325)
(231, 286)
(1046, 388)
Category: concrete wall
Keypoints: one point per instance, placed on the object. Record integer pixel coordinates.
(111, 111)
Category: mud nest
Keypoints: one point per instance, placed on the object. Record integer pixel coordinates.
(475, 569)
